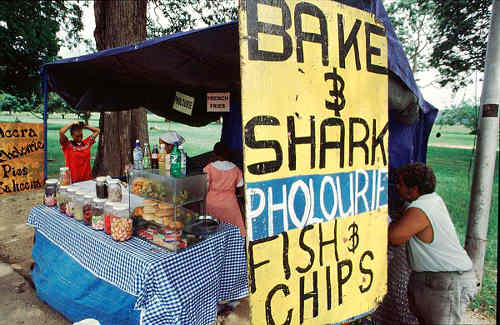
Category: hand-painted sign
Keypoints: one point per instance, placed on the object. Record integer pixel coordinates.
(183, 103)
(21, 157)
(314, 111)
(217, 102)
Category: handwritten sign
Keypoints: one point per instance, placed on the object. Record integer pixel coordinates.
(217, 102)
(315, 124)
(21, 157)
(183, 103)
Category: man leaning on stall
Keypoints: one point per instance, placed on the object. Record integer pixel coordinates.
(442, 282)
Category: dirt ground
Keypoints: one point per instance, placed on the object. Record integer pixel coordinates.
(19, 303)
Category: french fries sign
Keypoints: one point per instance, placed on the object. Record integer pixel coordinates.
(315, 124)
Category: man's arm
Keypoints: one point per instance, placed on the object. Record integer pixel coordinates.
(62, 136)
(95, 131)
(412, 222)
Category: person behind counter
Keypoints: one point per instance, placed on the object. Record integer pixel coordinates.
(169, 139)
(442, 282)
(224, 178)
(77, 151)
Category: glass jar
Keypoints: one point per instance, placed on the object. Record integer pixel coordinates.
(114, 190)
(62, 198)
(77, 206)
(101, 188)
(121, 223)
(87, 209)
(71, 192)
(64, 176)
(108, 213)
(49, 198)
(98, 214)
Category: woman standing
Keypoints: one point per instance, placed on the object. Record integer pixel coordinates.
(224, 178)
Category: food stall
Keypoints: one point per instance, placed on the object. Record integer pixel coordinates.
(84, 273)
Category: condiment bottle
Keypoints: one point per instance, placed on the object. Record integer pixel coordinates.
(121, 223)
(101, 188)
(77, 206)
(62, 198)
(114, 190)
(87, 209)
(71, 197)
(98, 213)
(49, 198)
(64, 176)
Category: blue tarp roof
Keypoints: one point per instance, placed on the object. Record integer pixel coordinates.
(195, 62)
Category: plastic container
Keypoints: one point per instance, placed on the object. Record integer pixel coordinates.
(50, 198)
(108, 213)
(64, 176)
(114, 190)
(62, 198)
(121, 223)
(71, 192)
(101, 188)
(77, 206)
(87, 209)
(98, 214)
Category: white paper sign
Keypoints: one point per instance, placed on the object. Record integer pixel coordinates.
(217, 102)
(183, 103)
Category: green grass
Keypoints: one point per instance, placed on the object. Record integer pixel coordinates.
(454, 180)
(451, 166)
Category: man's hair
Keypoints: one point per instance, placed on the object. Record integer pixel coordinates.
(76, 127)
(419, 175)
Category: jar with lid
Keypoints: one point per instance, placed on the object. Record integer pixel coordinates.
(64, 176)
(62, 198)
(108, 213)
(87, 209)
(114, 190)
(121, 223)
(49, 198)
(71, 195)
(101, 188)
(98, 214)
(77, 206)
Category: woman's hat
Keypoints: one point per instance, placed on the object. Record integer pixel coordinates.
(171, 137)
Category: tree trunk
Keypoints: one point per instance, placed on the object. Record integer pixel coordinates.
(119, 23)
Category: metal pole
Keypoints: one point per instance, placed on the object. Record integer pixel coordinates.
(484, 165)
(45, 95)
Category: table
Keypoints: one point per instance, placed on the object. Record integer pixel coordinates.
(168, 288)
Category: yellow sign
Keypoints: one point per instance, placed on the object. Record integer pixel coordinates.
(21, 157)
(314, 112)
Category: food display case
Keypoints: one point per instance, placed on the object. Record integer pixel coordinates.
(167, 206)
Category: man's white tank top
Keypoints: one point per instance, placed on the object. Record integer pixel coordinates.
(444, 253)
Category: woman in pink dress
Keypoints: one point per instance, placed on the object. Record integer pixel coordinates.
(223, 179)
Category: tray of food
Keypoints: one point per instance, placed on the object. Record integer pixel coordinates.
(159, 235)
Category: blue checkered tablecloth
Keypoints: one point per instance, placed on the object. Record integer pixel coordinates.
(171, 288)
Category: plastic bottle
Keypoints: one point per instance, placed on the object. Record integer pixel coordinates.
(161, 157)
(146, 160)
(183, 160)
(175, 162)
(137, 153)
(154, 157)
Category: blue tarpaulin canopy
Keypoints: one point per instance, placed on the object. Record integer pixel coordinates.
(149, 73)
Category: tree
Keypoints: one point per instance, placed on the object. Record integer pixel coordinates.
(119, 23)
(173, 16)
(459, 37)
(28, 39)
(464, 114)
(410, 20)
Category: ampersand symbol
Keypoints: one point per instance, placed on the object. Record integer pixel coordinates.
(337, 92)
(354, 238)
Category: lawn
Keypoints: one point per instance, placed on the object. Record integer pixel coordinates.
(453, 168)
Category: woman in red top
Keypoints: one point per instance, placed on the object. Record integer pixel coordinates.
(223, 179)
(77, 151)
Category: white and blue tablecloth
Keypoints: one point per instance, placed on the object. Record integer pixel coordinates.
(171, 288)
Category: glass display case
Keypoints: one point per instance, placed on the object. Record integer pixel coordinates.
(164, 206)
